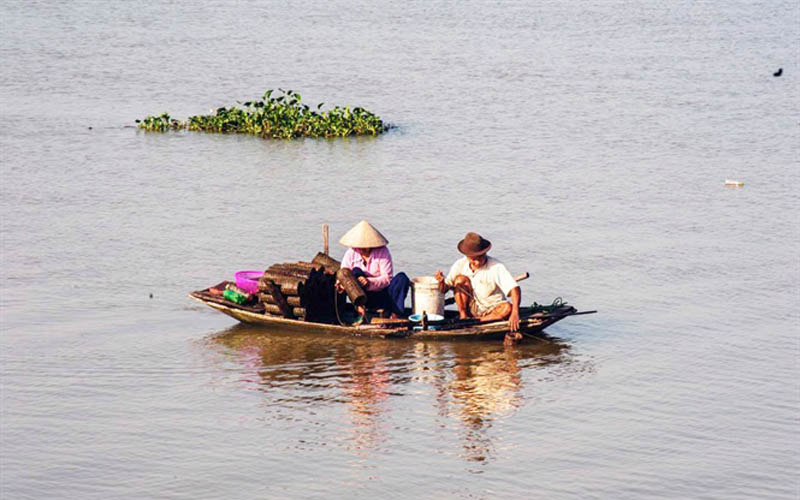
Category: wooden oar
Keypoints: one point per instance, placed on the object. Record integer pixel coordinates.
(581, 312)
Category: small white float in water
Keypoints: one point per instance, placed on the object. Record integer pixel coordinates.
(729, 182)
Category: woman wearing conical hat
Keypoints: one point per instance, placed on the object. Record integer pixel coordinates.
(371, 263)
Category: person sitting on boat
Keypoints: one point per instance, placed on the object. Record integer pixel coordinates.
(481, 283)
(371, 263)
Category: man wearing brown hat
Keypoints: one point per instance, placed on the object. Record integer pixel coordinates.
(480, 284)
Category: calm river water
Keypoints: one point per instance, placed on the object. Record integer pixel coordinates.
(589, 141)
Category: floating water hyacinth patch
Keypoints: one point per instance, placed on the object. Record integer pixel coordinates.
(281, 116)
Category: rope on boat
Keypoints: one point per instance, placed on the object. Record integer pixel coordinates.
(557, 302)
(336, 307)
(537, 308)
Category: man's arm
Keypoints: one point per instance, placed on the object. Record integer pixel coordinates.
(446, 283)
(513, 320)
(443, 286)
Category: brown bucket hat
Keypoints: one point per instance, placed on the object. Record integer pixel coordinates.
(474, 245)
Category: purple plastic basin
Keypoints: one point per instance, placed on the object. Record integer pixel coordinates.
(248, 280)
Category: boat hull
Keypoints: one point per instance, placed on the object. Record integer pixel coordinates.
(530, 325)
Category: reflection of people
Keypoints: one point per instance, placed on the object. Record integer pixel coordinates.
(371, 263)
(366, 389)
(474, 390)
(480, 284)
(485, 386)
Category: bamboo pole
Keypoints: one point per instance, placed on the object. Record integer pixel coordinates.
(331, 265)
(357, 295)
(307, 265)
(281, 278)
(273, 309)
(292, 300)
(289, 270)
(278, 298)
(288, 284)
(292, 289)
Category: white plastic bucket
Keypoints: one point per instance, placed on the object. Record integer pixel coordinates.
(425, 296)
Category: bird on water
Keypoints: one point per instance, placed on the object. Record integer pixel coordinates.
(778, 73)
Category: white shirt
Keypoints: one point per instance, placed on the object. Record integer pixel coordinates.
(490, 283)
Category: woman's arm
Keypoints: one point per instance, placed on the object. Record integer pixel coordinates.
(383, 259)
(348, 259)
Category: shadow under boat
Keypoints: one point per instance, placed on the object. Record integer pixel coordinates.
(277, 352)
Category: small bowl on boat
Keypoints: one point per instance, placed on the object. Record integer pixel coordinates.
(248, 280)
(432, 318)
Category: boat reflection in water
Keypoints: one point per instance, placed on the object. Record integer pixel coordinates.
(389, 383)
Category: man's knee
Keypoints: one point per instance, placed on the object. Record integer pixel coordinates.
(462, 280)
(502, 310)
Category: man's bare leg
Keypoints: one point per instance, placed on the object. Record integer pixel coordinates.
(462, 291)
(500, 312)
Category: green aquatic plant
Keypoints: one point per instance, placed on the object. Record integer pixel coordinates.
(160, 123)
(282, 116)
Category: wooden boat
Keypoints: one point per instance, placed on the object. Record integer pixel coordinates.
(532, 324)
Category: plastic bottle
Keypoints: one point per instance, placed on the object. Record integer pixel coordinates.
(234, 296)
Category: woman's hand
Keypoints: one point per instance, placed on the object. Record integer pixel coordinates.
(362, 280)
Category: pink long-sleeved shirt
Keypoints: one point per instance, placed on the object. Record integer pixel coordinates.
(378, 270)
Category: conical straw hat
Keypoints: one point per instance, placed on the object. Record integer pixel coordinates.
(363, 235)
